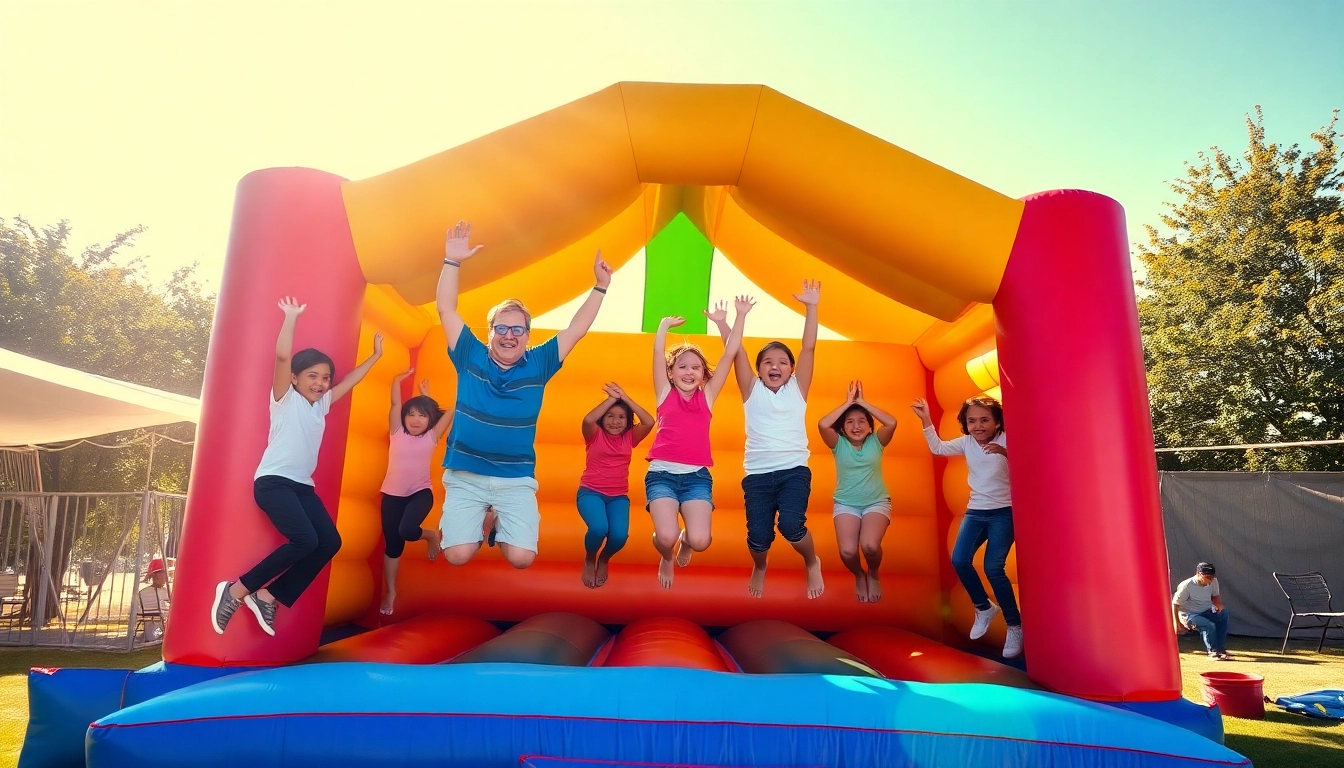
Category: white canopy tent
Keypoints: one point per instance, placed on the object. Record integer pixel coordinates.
(45, 403)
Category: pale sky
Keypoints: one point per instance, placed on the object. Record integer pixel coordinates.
(116, 113)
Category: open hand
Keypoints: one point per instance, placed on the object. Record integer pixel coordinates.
(672, 321)
(377, 345)
(719, 315)
(601, 270)
(424, 387)
(855, 392)
(291, 306)
(614, 391)
(458, 247)
(743, 305)
(921, 409)
(400, 377)
(811, 293)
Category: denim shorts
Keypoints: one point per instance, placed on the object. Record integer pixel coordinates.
(691, 486)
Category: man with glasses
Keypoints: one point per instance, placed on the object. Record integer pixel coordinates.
(491, 460)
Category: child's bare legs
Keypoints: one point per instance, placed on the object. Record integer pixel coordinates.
(815, 584)
(434, 538)
(390, 567)
(697, 535)
(756, 584)
(847, 533)
(874, 527)
(666, 532)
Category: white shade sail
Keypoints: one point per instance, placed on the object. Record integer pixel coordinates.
(45, 403)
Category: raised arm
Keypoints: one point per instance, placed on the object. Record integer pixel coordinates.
(284, 347)
(888, 422)
(583, 319)
(741, 365)
(394, 414)
(646, 420)
(810, 296)
(445, 421)
(355, 376)
(937, 446)
(826, 426)
(731, 347)
(589, 425)
(661, 385)
(456, 250)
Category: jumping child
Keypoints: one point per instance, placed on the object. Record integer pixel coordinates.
(301, 396)
(862, 504)
(678, 480)
(610, 434)
(778, 482)
(414, 429)
(989, 517)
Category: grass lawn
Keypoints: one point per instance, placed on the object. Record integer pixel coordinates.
(1280, 740)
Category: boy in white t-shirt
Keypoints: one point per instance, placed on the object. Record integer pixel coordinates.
(1198, 605)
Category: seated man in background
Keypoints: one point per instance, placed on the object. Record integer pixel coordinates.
(1197, 605)
(151, 602)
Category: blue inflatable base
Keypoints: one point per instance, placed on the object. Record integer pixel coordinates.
(496, 714)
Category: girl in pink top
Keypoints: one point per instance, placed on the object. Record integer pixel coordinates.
(678, 480)
(610, 433)
(414, 429)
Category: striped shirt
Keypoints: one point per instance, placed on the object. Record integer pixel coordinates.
(495, 419)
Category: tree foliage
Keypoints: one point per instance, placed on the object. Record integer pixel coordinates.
(96, 312)
(1243, 307)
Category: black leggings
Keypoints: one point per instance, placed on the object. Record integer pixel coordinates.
(297, 513)
(402, 516)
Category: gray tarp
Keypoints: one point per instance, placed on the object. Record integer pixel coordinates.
(1250, 525)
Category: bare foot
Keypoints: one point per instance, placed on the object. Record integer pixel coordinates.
(589, 580)
(435, 541)
(386, 608)
(861, 588)
(665, 573)
(684, 551)
(874, 588)
(756, 587)
(600, 575)
(815, 586)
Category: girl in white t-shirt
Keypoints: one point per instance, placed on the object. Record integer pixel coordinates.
(301, 396)
(989, 515)
(413, 429)
(778, 482)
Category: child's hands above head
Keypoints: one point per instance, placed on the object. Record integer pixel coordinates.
(743, 305)
(672, 321)
(811, 294)
(601, 271)
(400, 377)
(614, 391)
(377, 345)
(855, 392)
(424, 386)
(719, 315)
(921, 409)
(458, 246)
(291, 306)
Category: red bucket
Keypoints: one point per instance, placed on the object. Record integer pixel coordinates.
(1238, 694)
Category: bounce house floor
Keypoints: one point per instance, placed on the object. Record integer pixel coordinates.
(560, 690)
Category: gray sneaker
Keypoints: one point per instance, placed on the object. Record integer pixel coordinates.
(225, 606)
(264, 611)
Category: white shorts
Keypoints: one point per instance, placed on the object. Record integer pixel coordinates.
(468, 494)
(882, 507)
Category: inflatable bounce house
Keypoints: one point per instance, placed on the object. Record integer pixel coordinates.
(933, 286)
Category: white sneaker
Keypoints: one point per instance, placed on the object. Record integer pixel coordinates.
(982, 620)
(1012, 647)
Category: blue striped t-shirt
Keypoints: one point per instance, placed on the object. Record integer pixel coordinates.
(495, 421)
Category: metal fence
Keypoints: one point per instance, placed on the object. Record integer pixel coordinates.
(73, 567)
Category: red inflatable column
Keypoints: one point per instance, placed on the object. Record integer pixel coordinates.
(1091, 554)
(289, 237)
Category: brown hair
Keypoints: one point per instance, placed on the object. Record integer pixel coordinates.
(993, 406)
(515, 305)
(683, 348)
(774, 345)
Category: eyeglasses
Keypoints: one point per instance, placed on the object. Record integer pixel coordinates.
(505, 330)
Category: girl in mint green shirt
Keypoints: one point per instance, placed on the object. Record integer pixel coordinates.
(862, 504)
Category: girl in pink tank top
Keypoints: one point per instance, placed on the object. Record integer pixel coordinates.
(678, 481)
(414, 430)
(610, 434)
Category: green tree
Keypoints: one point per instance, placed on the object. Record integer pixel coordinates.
(1243, 307)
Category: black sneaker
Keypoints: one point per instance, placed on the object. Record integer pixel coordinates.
(224, 608)
(264, 611)
(490, 541)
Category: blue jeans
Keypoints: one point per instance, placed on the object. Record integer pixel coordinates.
(608, 519)
(785, 492)
(1212, 626)
(995, 527)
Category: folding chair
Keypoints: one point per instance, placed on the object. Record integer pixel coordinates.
(1308, 597)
